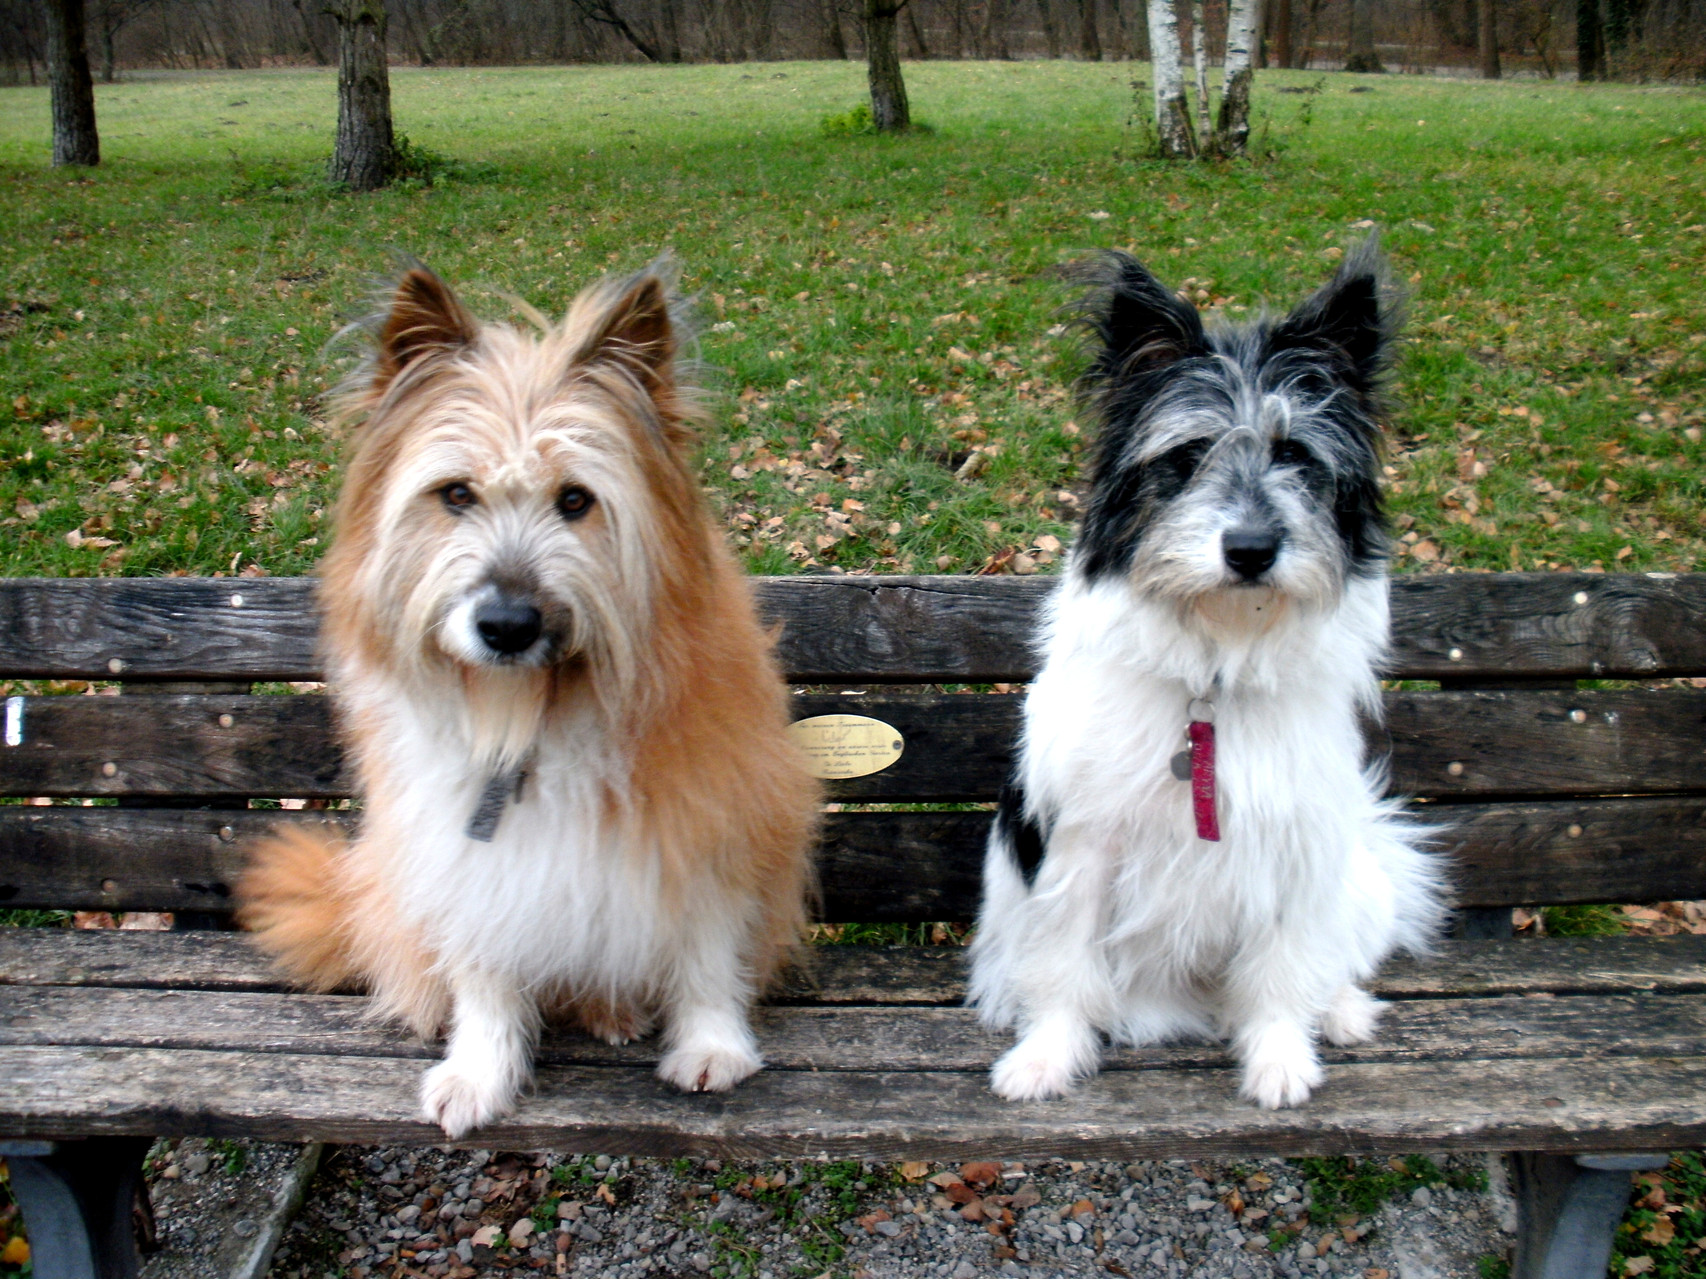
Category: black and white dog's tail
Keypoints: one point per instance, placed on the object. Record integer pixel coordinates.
(1014, 855)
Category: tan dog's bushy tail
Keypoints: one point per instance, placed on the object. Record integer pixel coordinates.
(291, 900)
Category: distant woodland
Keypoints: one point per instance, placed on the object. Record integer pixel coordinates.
(1637, 39)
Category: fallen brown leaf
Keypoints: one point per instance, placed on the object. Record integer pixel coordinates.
(1660, 1232)
(981, 1174)
(1025, 1197)
(914, 1170)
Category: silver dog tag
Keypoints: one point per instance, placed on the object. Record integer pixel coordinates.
(1181, 765)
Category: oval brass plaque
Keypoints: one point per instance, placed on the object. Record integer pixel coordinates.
(840, 746)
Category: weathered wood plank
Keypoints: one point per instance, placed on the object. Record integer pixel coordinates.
(906, 866)
(146, 627)
(1581, 625)
(874, 866)
(958, 746)
(918, 975)
(845, 1038)
(840, 629)
(1582, 1104)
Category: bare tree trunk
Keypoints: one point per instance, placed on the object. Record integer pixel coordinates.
(1089, 38)
(1051, 27)
(1172, 112)
(1282, 34)
(1488, 32)
(1590, 41)
(1362, 56)
(1233, 133)
(669, 31)
(75, 140)
(1199, 64)
(1115, 47)
(832, 34)
(889, 110)
(365, 156)
(919, 46)
(995, 20)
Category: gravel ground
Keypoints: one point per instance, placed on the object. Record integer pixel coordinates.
(210, 1198)
(400, 1211)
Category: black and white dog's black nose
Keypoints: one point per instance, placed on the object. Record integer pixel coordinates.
(1249, 552)
(508, 625)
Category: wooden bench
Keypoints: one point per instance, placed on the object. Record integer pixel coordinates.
(1570, 1052)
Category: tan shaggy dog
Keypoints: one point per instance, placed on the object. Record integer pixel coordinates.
(580, 796)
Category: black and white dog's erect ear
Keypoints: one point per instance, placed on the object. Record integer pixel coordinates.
(1354, 318)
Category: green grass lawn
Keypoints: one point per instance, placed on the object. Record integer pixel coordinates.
(873, 308)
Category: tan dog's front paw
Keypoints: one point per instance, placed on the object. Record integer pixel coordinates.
(702, 1067)
(459, 1102)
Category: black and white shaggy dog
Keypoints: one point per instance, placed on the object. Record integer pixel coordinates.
(1192, 843)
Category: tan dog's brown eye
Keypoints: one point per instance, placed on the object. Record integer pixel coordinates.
(458, 496)
(574, 502)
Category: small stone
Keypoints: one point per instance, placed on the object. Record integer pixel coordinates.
(243, 1228)
(602, 1163)
(965, 1270)
(888, 1228)
(408, 1213)
(1421, 1196)
(568, 1210)
(375, 1164)
(465, 1251)
(1198, 1204)
(1128, 1236)
(473, 1208)
(1075, 1232)
(197, 1163)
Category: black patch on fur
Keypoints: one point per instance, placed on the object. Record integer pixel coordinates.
(1144, 332)
(1342, 338)
(1024, 837)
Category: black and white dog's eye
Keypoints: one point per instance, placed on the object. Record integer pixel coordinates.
(574, 502)
(1291, 453)
(458, 497)
(1184, 460)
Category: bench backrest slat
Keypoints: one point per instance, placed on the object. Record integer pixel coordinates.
(893, 866)
(874, 629)
(957, 747)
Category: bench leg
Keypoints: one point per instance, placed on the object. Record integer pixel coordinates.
(1569, 1207)
(77, 1199)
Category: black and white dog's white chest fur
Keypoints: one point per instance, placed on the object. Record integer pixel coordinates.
(1231, 566)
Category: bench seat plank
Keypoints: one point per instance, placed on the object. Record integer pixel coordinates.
(881, 866)
(897, 975)
(1578, 1104)
(841, 1038)
(903, 629)
(958, 747)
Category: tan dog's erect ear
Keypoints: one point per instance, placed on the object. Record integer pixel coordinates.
(637, 334)
(425, 320)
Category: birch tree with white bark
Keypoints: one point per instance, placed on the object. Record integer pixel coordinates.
(1243, 21)
(1199, 64)
(1172, 111)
